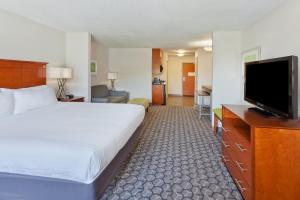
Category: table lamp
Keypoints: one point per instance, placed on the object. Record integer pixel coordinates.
(112, 76)
(62, 74)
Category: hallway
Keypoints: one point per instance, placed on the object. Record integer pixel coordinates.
(180, 101)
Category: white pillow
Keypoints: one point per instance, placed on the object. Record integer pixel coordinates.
(33, 97)
(6, 104)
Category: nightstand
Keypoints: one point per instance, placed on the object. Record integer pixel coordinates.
(74, 99)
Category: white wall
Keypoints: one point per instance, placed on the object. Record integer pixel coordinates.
(164, 75)
(78, 55)
(226, 68)
(204, 67)
(204, 72)
(99, 53)
(175, 73)
(134, 68)
(277, 34)
(23, 39)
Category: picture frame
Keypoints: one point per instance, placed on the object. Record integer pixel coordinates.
(93, 67)
(250, 55)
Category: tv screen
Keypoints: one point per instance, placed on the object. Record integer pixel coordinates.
(272, 85)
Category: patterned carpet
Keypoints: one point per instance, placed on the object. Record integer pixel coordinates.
(177, 158)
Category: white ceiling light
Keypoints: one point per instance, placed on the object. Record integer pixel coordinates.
(208, 48)
(180, 54)
(181, 51)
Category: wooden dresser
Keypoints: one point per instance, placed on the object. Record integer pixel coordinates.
(262, 154)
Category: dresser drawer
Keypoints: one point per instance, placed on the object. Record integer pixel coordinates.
(225, 157)
(240, 155)
(240, 133)
(241, 184)
(241, 166)
(226, 142)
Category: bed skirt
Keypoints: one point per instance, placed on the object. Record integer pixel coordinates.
(24, 187)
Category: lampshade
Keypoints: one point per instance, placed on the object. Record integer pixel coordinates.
(112, 76)
(59, 72)
(66, 73)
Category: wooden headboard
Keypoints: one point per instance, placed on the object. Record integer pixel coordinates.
(20, 74)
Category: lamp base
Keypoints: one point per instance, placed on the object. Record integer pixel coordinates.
(112, 85)
(60, 94)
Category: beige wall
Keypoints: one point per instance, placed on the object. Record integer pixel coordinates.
(175, 73)
(164, 74)
(277, 35)
(226, 68)
(78, 56)
(204, 71)
(23, 39)
(134, 68)
(99, 53)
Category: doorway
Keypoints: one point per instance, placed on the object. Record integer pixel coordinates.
(186, 71)
(188, 79)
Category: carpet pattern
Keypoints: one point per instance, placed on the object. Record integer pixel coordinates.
(177, 158)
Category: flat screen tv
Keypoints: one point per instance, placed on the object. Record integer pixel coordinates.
(272, 85)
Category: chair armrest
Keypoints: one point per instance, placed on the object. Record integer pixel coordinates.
(118, 93)
(99, 100)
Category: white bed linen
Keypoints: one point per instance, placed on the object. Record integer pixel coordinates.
(71, 141)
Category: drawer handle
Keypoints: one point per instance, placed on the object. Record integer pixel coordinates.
(239, 184)
(225, 130)
(239, 164)
(225, 145)
(240, 147)
(224, 159)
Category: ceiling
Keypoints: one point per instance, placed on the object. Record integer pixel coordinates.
(184, 52)
(144, 23)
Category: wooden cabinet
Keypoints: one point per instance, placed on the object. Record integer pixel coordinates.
(158, 94)
(262, 154)
(156, 61)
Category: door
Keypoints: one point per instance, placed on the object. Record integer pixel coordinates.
(188, 79)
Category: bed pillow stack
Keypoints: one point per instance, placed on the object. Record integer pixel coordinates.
(31, 98)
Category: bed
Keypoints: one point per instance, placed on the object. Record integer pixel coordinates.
(62, 150)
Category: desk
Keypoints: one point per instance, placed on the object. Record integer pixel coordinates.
(201, 95)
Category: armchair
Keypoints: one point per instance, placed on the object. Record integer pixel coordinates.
(101, 94)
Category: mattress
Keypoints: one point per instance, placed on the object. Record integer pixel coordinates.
(69, 141)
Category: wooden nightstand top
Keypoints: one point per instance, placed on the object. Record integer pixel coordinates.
(74, 99)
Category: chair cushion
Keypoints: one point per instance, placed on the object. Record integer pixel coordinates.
(140, 101)
(218, 113)
(99, 91)
(99, 100)
(117, 99)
